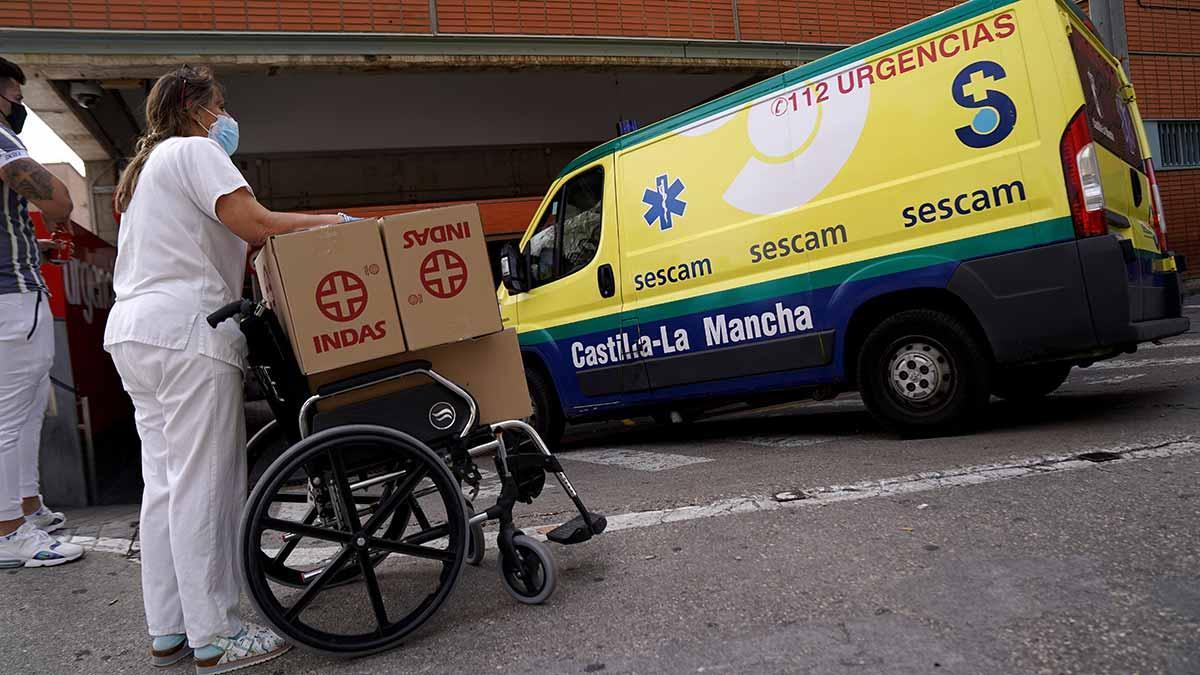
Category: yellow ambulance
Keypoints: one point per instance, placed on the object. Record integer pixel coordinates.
(962, 207)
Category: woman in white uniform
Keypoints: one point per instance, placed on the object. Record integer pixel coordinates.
(189, 219)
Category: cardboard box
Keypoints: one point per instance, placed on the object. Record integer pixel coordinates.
(441, 274)
(331, 290)
(490, 367)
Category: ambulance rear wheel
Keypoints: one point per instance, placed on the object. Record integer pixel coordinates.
(924, 372)
(547, 418)
(1030, 383)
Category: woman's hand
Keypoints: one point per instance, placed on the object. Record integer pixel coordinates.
(254, 223)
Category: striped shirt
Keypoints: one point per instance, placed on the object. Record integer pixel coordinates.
(20, 260)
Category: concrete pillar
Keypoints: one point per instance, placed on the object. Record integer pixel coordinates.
(1109, 17)
(102, 180)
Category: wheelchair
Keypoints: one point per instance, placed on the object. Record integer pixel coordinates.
(357, 533)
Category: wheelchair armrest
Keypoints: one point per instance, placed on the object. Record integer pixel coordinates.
(373, 377)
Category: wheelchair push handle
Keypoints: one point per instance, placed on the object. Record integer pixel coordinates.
(229, 311)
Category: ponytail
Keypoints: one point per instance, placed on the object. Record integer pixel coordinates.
(168, 114)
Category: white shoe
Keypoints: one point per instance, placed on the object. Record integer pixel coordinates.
(254, 645)
(47, 520)
(32, 547)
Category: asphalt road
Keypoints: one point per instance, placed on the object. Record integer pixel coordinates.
(991, 553)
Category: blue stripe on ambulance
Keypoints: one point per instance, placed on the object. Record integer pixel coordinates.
(837, 294)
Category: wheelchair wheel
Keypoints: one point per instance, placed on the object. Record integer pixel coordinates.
(376, 532)
(532, 577)
(262, 450)
(279, 565)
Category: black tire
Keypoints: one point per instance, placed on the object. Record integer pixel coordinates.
(476, 546)
(359, 538)
(923, 372)
(547, 418)
(262, 449)
(532, 578)
(1030, 383)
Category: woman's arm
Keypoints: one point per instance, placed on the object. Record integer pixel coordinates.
(251, 221)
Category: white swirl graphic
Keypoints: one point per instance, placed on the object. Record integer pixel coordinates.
(830, 128)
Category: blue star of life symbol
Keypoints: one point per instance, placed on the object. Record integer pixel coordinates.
(664, 202)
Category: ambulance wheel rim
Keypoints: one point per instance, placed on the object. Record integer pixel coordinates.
(919, 371)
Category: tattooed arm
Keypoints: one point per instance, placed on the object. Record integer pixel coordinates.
(33, 182)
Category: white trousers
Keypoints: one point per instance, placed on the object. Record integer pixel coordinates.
(25, 361)
(190, 418)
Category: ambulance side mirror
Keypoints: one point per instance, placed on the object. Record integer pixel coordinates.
(514, 273)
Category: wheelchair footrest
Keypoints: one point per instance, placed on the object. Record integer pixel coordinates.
(576, 531)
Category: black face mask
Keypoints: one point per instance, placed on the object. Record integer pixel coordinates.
(16, 118)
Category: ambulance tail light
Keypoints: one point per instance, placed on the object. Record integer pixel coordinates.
(1085, 192)
(1157, 220)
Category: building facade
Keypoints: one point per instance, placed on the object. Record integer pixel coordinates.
(361, 104)
(1164, 62)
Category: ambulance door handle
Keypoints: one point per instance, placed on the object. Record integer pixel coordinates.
(606, 281)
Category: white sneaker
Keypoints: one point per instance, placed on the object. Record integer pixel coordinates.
(47, 520)
(254, 645)
(32, 547)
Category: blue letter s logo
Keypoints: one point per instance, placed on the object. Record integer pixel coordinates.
(997, 115)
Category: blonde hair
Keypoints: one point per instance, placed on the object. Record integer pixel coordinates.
(169, 106)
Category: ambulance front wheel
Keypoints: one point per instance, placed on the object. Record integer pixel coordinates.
(924, 372)
(547, 418)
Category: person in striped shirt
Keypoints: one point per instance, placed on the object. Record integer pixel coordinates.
(26, 339)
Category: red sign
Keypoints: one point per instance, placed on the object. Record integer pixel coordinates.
(81, 295)
(443, 274)
(341, 296)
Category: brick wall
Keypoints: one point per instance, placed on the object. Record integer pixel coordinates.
(394, 16)
(1163, 25)
(1167, 86)
(1181, 197)
(1164, 46)
(830, 21)
(701, 19)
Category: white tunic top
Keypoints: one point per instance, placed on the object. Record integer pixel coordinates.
(176, 263)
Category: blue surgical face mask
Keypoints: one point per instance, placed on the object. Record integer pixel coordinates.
(224, 130)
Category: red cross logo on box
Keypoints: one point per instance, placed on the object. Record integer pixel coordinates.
(341, 296)
(443, 273)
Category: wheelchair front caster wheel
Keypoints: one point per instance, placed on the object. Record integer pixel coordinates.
(476, 546)
(532, 577)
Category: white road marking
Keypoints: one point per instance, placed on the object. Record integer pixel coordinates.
(489, 486)
(889, 487)
(782, 441)
(820, 496)
(1120, 364)
(637, 460)
(1181, 344)
(100, 544)
(1116, 379)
